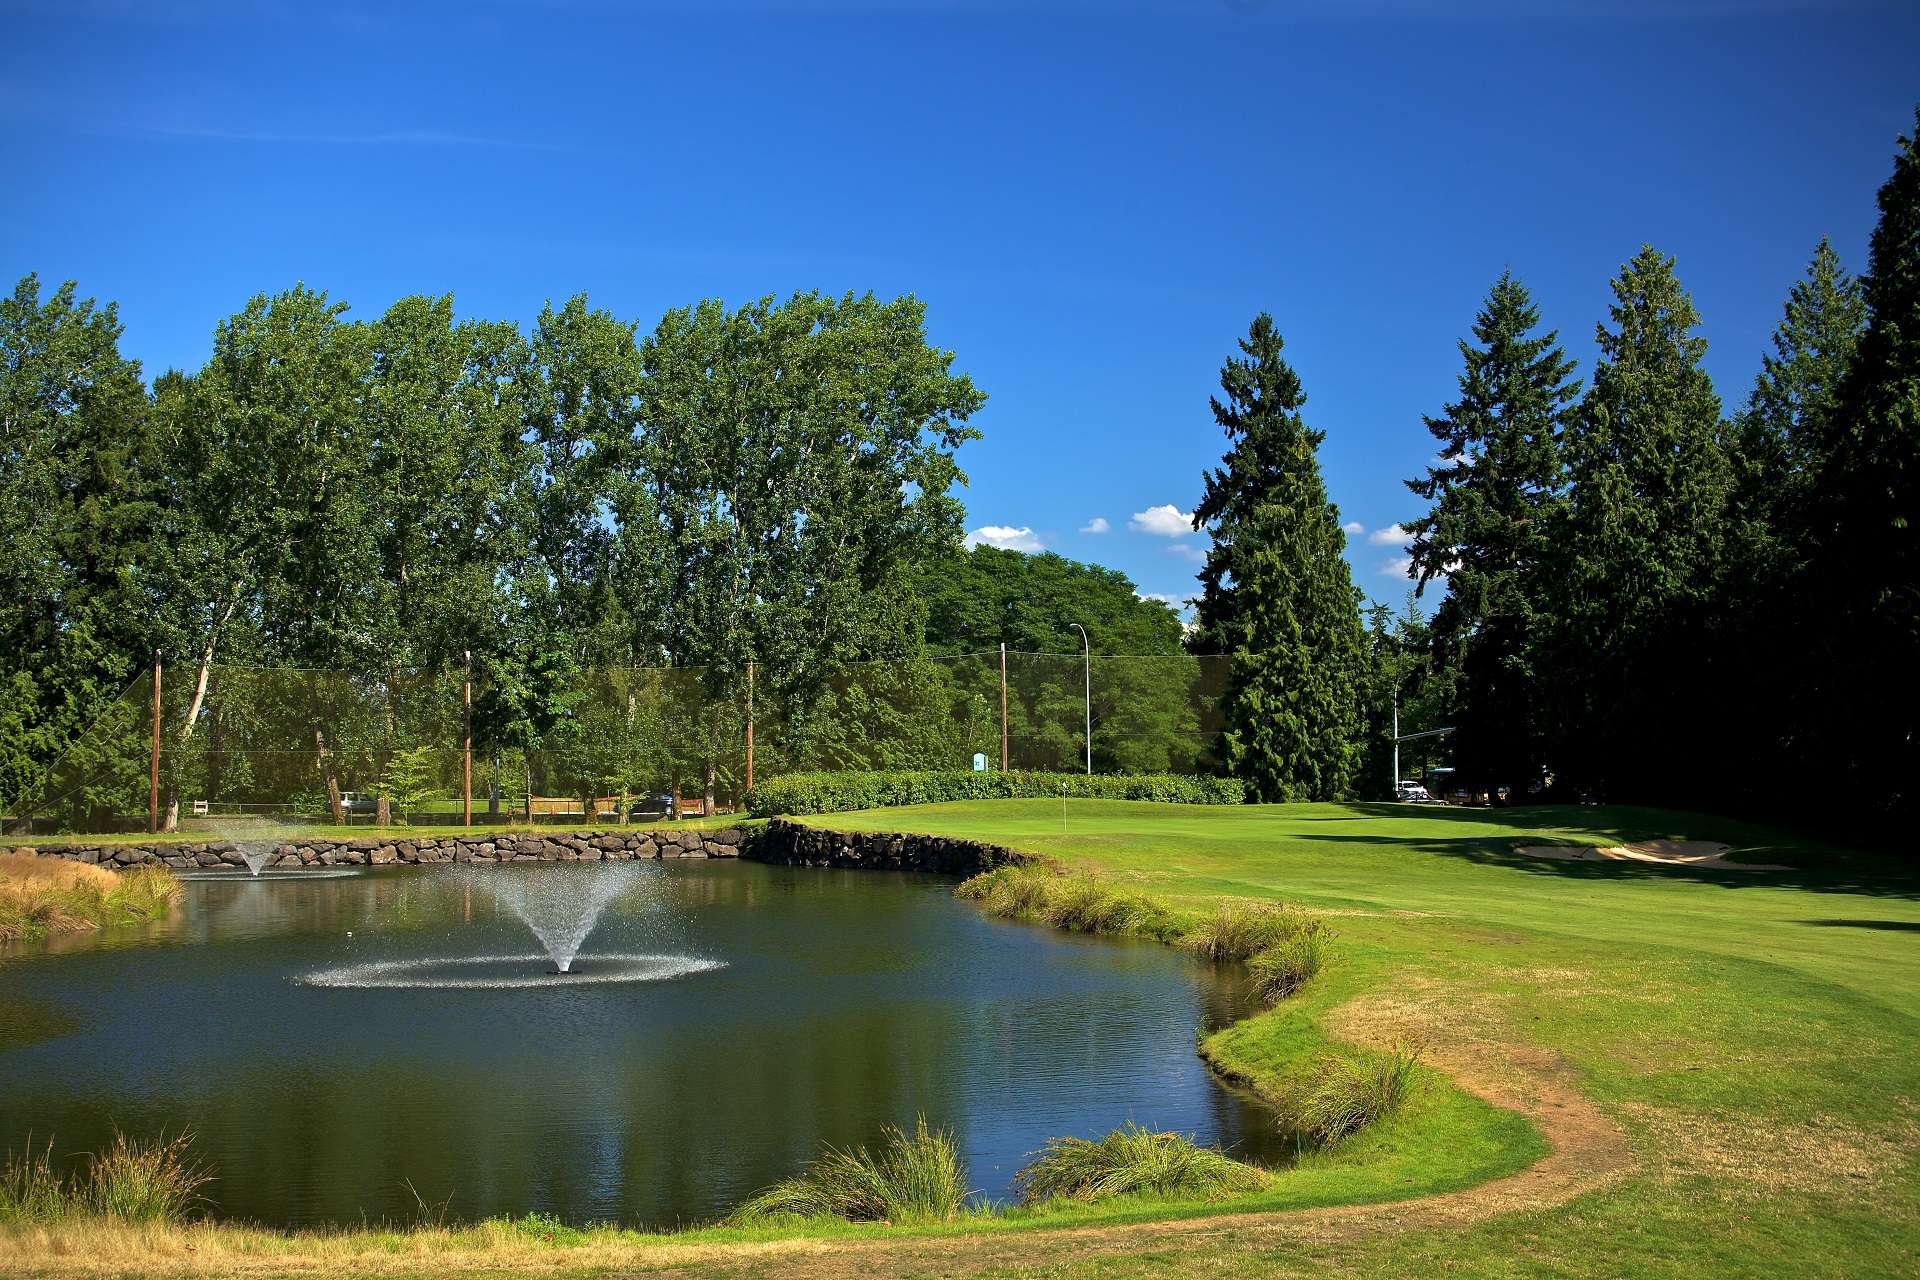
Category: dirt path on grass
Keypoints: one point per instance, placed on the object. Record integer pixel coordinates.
(1588, 1151)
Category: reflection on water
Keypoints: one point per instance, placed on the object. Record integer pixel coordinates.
(835, 1002)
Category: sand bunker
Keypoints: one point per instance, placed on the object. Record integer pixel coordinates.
(1670, 853)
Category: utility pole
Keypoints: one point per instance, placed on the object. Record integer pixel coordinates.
(1003, 706)
(1086, 657)
(466, 749)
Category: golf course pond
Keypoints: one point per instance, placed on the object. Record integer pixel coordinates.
(395, 1043)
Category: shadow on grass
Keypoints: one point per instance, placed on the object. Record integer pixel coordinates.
(1809, 869)
(1896, 926)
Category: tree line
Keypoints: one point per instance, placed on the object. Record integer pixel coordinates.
(1642, 595)
(637, 535)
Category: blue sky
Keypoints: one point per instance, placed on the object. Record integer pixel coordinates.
(1093, 198)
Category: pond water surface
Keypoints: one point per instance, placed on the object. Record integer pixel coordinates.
(771, 1009)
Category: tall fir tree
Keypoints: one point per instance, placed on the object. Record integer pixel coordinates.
(1277, 592)
(78, 504)
(1497, 495)
(1649, 485)
(1866, 530)
(1782, 445)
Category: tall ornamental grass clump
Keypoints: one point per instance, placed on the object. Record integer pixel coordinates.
(913, 1178)
(42, 895)
(131, 1181)
(1083, 904)
(1238, 929)
(1282, 947)
(1133, 1160)
(1349, 1094)
(1283, 968)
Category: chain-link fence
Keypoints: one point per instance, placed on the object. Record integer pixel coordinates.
(430, 747)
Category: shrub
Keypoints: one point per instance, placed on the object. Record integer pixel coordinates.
(805, 793)
(1132, 1160)
(912, 1179)
(1350, 1094)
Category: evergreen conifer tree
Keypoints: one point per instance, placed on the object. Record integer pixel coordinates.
(1277, 592)
(1496, 495)
(1866, 528)
(1649, 484)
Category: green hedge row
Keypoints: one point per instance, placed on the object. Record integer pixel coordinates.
(801, 793)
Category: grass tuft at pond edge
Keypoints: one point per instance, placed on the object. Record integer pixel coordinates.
(917, 1178)
(1349, 1093)
(42, 895)
(1133, 1160)
(131, 1181)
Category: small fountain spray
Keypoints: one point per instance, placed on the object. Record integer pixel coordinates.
(561, 903)
(255, 853)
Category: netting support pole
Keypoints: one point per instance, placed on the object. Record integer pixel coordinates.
(749, 726)
(153, 765)
(1003, 706)
(466, 749)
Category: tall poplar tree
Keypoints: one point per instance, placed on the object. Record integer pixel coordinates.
(1277, 593)
(1649, 485)
(1497, 495)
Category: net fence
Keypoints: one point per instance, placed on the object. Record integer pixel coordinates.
(277, 744)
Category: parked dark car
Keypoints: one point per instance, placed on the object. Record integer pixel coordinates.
(658, 804)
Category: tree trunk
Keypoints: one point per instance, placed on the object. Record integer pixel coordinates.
(172, 821)
(383, 806)
(709, 788)
(334, 807)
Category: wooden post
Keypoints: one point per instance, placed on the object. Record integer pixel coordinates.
(466, 749)
(749, 726)
(1003, 706)
(153, 768)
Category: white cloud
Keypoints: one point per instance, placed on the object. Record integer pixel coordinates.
(1006, 538)
(1096, 525)
(1353, 528)
(1172, 599)
(1398, 567)
(1187, 551)
(1391, 536)
(1168, 521)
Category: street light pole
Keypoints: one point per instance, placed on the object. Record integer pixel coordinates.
(1086, 656)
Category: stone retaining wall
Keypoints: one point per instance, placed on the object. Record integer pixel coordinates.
(571, 846)
(781, 842)
(792, 844)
